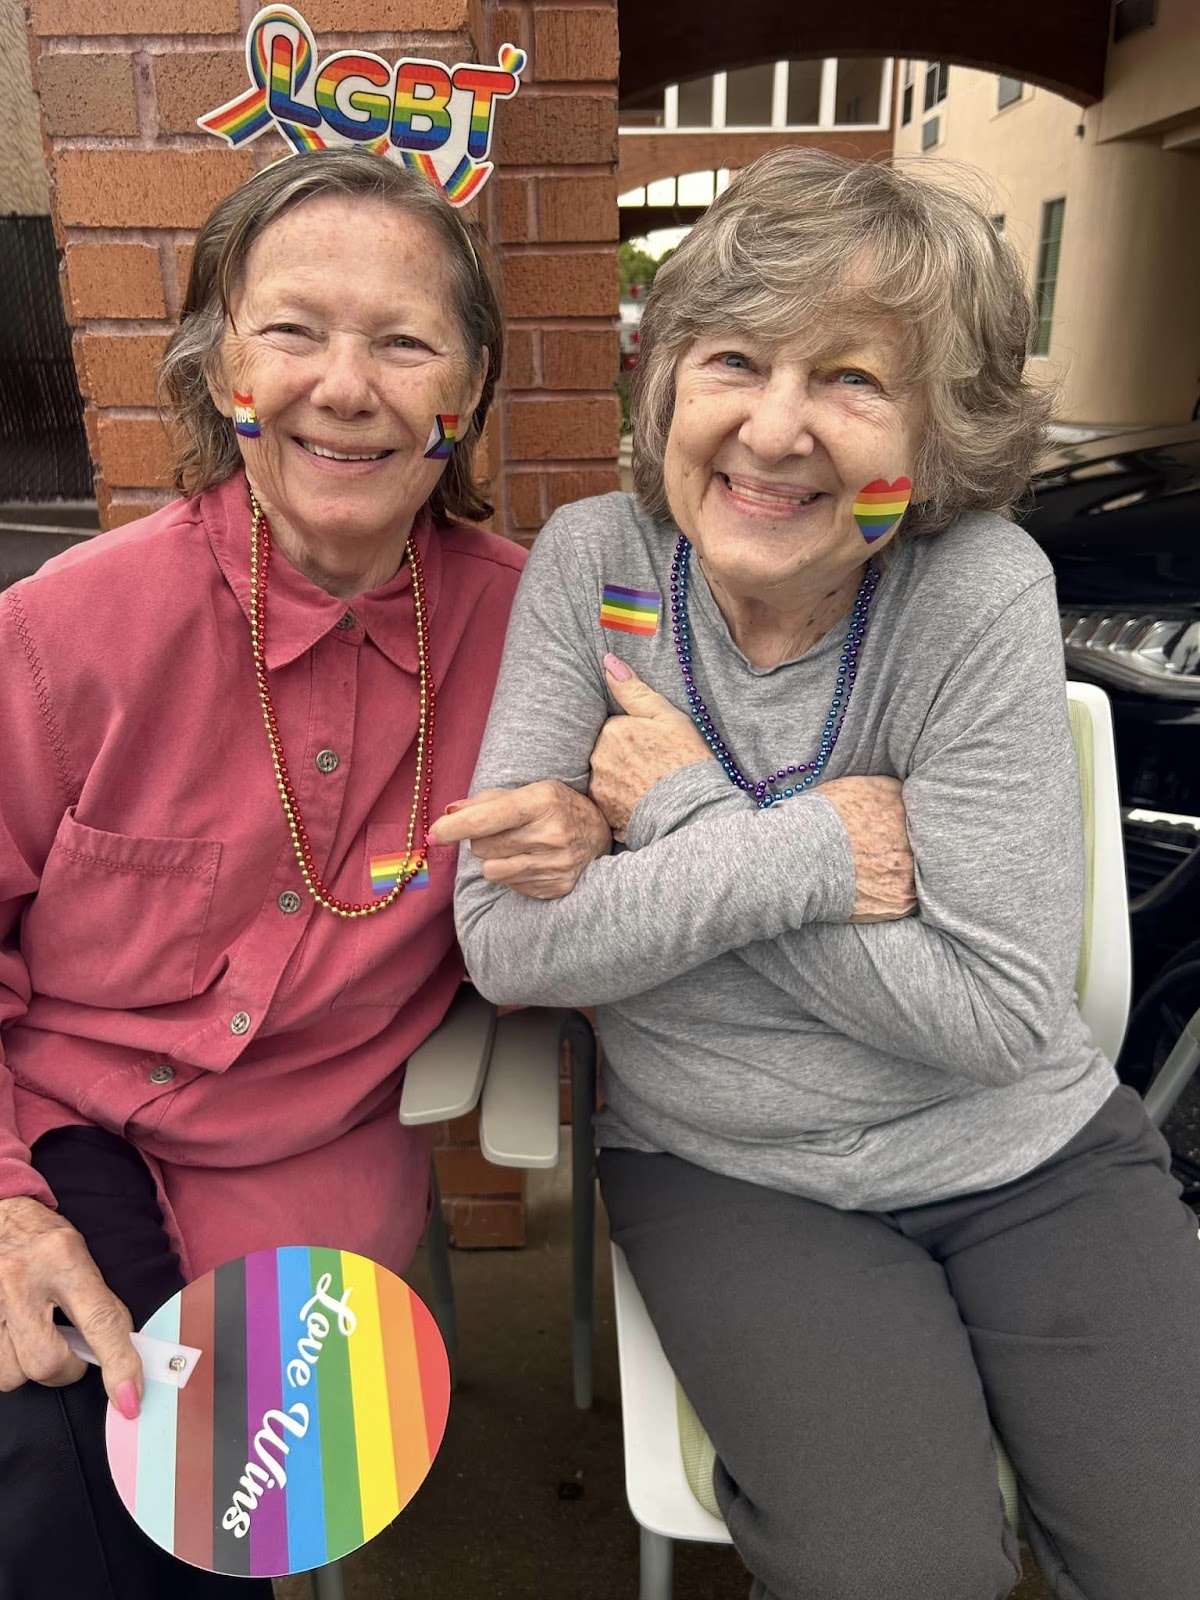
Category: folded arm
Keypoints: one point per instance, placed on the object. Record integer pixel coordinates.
(980, 981)
(635, 919)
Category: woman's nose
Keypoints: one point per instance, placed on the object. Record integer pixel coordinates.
(344, 383)
(780, 419)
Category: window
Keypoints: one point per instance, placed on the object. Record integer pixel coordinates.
(859, 86)
(1049, 246)
(695, 103)
(937, 81)
(1131, 16)
(748, 96)
(931, 132)
(803, 94)
(906, 99)
(1008, 91)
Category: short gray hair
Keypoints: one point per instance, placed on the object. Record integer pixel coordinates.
(803, 242)
(208, 451)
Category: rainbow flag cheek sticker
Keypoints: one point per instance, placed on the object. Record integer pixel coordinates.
(312, 1417)
(245, 417)
(630, 610)
(879, 506)
(386, 872)
(442, 438)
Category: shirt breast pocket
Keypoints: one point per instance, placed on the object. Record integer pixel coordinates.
(117, 919)
(395, 951)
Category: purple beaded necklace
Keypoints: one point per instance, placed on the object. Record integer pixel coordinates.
(803, 777)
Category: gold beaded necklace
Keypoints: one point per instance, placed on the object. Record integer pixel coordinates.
(414, 860)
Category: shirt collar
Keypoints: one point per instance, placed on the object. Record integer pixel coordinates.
(299, 612)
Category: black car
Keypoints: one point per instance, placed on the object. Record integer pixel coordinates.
(1119, 517)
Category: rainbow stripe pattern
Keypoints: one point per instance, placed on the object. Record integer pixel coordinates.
(245, 417)
(276, 74)
(311, 1420)
(879, 506)
(630, 610)
(387, 871)
(442, 437)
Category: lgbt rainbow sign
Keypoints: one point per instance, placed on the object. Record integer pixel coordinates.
(434, 118)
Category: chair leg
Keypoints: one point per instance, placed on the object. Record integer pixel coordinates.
(658, 1566)
(580, 1035)
(444, 1312)
(328, 1583)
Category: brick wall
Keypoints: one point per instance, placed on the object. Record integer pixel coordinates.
(121, 83)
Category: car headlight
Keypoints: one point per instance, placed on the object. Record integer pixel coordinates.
(1136, 650)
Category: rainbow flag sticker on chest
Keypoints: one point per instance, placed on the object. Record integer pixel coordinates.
(312, 1417)
(630, 610)
(386, 872)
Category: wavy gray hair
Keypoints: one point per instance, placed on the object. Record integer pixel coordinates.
(806, 243)
(208, 451)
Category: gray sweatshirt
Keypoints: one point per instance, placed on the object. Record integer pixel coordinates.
(748, 1026)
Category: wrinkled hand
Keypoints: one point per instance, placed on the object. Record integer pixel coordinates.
(872, 812)
(44, 1263)
(636, 749)
(536, 839)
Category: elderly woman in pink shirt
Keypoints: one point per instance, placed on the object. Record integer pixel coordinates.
(227, 726)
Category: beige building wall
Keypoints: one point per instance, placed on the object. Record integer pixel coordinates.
(1153, 80)
(24, 185)
(1125, 337)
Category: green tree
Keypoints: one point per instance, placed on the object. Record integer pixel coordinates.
(635, 266)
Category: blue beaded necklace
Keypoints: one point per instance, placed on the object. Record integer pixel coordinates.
(766, 791)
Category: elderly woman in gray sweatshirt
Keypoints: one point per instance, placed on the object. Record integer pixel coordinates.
(873, 1179)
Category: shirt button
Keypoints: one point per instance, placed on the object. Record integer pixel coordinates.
(162, 1073)
(327, 760)
(345, 621)
(289, 901)
(239, 1022)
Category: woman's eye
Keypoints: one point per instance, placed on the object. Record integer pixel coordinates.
(405, 341)
(289, 329)
(735, 360)
(855, 379)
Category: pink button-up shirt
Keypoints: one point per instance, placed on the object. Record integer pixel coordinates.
(163, 972)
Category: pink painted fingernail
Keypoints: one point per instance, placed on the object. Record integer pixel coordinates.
(617, 669)
(455, 805)
(127, 1401)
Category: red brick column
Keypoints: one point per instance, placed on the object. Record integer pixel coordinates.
(121, 83)
(551, 209)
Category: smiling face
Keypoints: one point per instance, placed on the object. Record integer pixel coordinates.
(770, 446)
(342, 332)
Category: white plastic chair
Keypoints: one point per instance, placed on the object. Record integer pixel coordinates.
(443, 1080)
(660, 1496)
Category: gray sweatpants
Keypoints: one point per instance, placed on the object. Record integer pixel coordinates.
(845, 1365)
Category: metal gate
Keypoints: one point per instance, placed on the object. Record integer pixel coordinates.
(43, 448)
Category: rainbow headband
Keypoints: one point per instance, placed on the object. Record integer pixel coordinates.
(437, 119)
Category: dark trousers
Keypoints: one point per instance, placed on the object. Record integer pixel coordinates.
(64, 1534)
(845, 1365)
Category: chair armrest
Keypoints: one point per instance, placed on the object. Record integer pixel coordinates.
(444, 1075)
(519, 1115)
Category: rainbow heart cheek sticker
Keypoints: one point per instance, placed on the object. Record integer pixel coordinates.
(879, 506)
(311, 1419)
(245, 417)
(442, 438)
